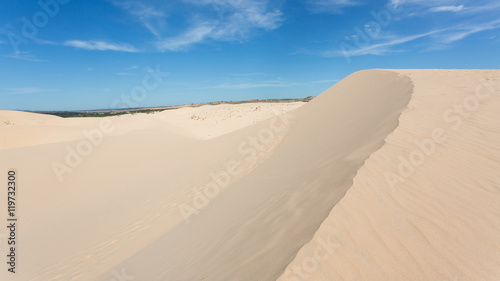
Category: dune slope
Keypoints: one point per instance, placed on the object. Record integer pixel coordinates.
(255, 226)
(426, 206)
(388, 175)
(121, 207)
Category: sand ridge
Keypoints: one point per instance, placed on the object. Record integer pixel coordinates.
(314, 193)
(426, 205)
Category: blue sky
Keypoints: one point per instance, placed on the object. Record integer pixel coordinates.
(69, 54)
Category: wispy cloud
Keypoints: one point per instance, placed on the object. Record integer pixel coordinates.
(182, 42)
(470, 7)
(425, 3)
(277, 83)
(489, 7)
(43, 42)
(218, 20)
(467, 30)
(438, 39)
(249, 86)
(463, 7)
(252, 85)
(28, 90)
(247, 74)
(24, 56)
(447, 9)
(381, 48)
(325, 81)
(329, 6)
(152, 17)
(100, 46)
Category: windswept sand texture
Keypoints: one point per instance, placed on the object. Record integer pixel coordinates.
(437, 217)
(375, 179)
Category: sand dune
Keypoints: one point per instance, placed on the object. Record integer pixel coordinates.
(20, 129)
(210, 121)
(18, 118)
(235, 192)
(426, 206)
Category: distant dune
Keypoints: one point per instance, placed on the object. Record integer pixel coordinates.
(388, 175)
(20, 129)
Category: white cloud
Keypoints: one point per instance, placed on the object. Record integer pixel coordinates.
(100, 46)
(490, 7)
(447, 9)
(252, 85)
(438, 39)
(325, 81)
(425, 3)
(247, 74)
(44, 42)
(378, 48)
(249, 86)
(219, 20)
(182, 42)
(278, 83)
(24, 56)
(447, 6)
(329, 6)
(28, 90)
(464, 31)
(153, 18)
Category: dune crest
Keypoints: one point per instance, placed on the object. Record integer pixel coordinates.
(260, 220)
(387, 175)
(120, 206)
(426, 205)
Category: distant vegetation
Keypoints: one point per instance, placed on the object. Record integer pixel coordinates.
(117, 112)
(99, 113)
(266, 100)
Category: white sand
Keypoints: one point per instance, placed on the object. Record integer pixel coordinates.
(274, 204)
(210, 121)
(440, 220)
(19, 129)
